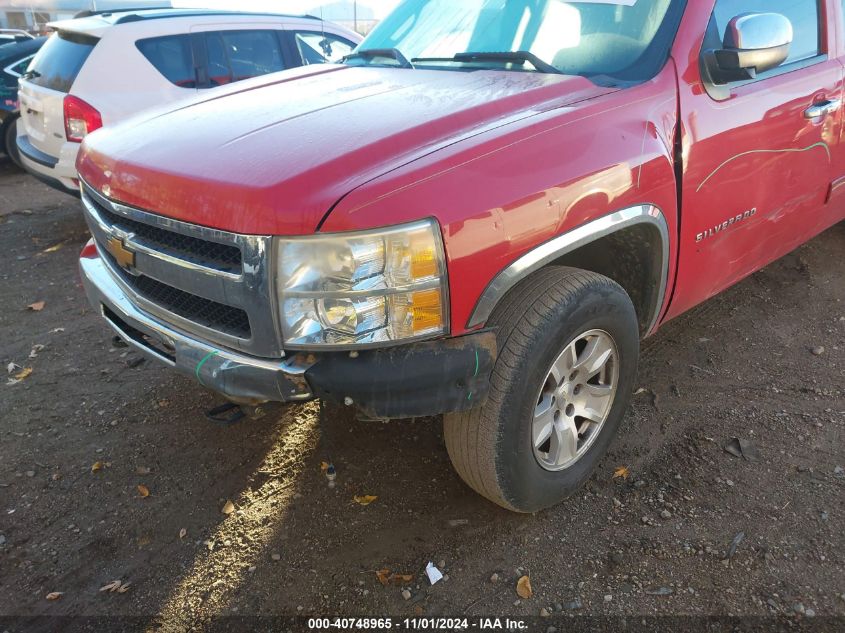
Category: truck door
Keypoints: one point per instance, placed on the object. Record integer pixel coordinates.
(757, 153)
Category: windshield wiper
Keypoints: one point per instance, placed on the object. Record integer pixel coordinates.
(514, 57)
(370, 53)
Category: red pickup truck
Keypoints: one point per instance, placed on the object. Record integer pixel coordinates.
(480, 212)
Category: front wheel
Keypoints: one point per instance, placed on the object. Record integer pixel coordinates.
(569, 346)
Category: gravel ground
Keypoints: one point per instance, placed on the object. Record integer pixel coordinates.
(94, 426)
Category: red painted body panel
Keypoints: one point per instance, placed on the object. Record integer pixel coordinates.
(275, 160)
(503, 160)
(501, 194)
(754, 150)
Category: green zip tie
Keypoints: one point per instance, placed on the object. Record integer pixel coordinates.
(202, 362)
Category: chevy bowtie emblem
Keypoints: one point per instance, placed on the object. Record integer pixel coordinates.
(122, 255)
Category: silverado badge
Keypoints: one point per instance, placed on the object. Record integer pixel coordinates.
(122, 255)
(724, 226)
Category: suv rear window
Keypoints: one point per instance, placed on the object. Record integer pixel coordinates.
(59, 61)
(237, 55)
(172, 56)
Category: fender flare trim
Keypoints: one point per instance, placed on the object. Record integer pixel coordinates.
(574, 239)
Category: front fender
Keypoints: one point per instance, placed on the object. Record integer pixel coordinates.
(503, 193)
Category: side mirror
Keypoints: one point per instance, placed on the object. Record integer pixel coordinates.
(754, 43)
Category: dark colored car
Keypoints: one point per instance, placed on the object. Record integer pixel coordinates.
(14, 58)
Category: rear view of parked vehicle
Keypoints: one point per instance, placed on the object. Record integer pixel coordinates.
(14, 59)
(103, 68)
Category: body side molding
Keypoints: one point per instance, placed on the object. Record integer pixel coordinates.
(559, 246)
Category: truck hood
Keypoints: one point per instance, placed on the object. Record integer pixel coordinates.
(273, 157)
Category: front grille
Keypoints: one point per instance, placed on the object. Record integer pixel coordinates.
(211, 314)
(209, 283)
(222, 257)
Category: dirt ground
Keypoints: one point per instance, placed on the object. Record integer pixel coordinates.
(93, 422)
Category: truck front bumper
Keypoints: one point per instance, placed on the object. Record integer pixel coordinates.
(410, 380)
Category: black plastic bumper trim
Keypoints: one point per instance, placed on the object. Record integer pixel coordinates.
(35, 155)
(406, 381)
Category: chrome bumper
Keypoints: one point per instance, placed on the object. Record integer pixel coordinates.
(243, 379)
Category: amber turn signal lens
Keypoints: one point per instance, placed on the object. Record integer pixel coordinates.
(427, 307)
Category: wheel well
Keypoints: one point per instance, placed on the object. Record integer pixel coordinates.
(633, 258)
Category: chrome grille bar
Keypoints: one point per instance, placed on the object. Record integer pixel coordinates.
(205, 281)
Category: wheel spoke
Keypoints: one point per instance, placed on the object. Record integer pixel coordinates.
(598, 392)
(589, 413)
(544, 421)
(595, 355)
(564, 364)
(564, 444)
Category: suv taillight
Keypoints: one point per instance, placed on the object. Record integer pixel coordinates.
(80, 119)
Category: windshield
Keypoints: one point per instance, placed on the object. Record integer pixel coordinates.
(619, 38)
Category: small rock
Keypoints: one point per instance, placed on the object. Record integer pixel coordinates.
(798, 608)
(617, 503)
(30, 473)
(252, 569)
(494, 578)
(574, 605)
(639, 483)
(818, 350)
(839, 471)
(608, 598)
(276, 556)
(2, 540)
(810, 613)
(558, 606)
(544, 612)
(551, 629)
(825, 516)
(665, 514)
(406, 595)
(441, 564)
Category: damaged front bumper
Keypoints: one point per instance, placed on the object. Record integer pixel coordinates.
(410, 380)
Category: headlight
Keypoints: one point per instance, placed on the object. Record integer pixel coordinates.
(362, 289)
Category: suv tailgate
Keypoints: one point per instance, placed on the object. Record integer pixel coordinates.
(44, 86)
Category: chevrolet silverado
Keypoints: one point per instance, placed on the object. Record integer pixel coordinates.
(479, 213)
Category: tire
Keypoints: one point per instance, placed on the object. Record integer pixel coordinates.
(10, 138)
(492, 446)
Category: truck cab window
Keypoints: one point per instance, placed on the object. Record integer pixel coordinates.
(804, 15)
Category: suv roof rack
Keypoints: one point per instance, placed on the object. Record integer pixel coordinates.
(153, 13)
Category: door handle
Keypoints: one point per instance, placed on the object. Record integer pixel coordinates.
(823, 108)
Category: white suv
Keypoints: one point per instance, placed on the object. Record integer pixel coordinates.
(100, 69)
